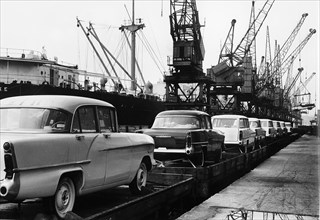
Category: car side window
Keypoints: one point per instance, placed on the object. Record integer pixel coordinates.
(84, 120)
(106, 119)
(243, 123)
(246, 123)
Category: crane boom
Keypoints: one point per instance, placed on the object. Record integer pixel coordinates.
(280, 55)
(285, 64)
(288, 89)
(266, 60)
(303, 84)
(253, 50)
(244, 46)
(227, 47)
(295, 53)
(231, 66)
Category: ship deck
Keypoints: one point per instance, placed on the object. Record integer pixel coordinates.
(285, 186)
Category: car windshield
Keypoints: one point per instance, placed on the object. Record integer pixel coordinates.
(37, 119)
(175, 121)
(225, 123)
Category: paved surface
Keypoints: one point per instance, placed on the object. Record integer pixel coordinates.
(286, 184)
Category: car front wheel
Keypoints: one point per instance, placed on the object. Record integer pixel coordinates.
(140, 180)
(64, 197)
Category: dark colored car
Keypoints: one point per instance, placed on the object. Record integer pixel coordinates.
(186, 134)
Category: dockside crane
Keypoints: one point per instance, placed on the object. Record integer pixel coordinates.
(289, 86)
(186, 84)
(280, 55)
(280, 69)
(236, 57)
(297, 94)
(188, 48)
(265, 65)
(227, 47)
(235, 73)
(303, 85)
(285, 64)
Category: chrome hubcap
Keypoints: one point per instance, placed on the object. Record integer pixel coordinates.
(63, 198)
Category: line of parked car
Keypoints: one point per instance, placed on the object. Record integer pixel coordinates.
(60, 147)
(201, 138)
(245, 134)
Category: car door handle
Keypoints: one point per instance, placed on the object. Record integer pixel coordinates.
(79, 137)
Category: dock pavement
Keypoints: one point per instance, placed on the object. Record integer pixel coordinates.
(285, 186)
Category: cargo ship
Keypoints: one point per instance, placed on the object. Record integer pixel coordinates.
(27, 72)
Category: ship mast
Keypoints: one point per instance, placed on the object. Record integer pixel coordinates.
(133, 28)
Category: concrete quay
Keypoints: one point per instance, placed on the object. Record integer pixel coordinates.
(285, 186)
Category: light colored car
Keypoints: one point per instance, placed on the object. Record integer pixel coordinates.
(61, 147)
(279, 131)
(238, 135)
(255, 125)
(289, 127)
(186, 134)
(283, 127)
(271, 132)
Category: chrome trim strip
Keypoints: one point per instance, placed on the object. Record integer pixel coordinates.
(52, 166)
(124, 147)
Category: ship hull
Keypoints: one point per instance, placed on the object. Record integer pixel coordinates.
(132, 111)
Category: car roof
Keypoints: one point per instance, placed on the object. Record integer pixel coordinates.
(254, 119)
(68, 103)
(183, 112)
(229, 116)
(265, 119)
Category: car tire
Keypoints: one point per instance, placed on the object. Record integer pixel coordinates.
(64, 198)
(140, 180)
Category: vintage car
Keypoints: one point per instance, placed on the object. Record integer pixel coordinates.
(60, 147)
(277, 126)
(238, 135)
(283, 127)
(260, 138)
(289, 127)
(185, 134)
(271, 132)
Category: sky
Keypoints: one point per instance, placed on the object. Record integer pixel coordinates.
(52, 24)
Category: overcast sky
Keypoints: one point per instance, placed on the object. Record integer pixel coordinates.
(33, 24)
